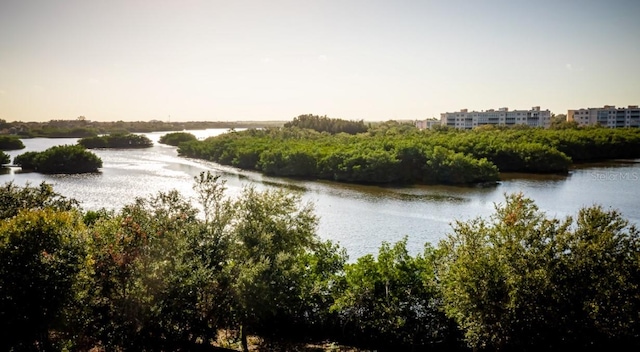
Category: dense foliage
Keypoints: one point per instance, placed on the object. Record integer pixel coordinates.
(14, 198)
(63, 159)
(359, 158)
(325, 124)
(400, 153)
(42, 253)
(163, 274)
(524, 281)
(116, 140)
(10, 143)
(175, 138)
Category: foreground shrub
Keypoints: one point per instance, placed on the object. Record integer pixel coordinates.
(392, 302)
(524, 281)
(41, 254)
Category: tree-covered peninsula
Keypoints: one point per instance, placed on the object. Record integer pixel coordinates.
(400, 153)
(63, 159)
(9, 142)
(116, 140)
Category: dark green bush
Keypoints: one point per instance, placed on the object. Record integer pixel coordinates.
(124, 141)
(175, 138)
(64, 159)
(10, 143)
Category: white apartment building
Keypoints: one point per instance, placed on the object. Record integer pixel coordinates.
(607, 116)
(465, 119)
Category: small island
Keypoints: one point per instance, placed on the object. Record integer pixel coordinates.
(63, 159)
(175, 138)
(116, 140)
(8, 142)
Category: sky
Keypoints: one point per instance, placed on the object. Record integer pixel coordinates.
(235, 60)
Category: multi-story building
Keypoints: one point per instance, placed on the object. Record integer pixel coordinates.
(465, 119)
(607, 116)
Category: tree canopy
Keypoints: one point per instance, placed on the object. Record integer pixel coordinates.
(325, 124)
(170, 273)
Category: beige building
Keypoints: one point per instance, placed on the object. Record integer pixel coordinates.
(426, 124)
(607, 116)
(465, 119)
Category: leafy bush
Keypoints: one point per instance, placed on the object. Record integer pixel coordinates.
(175, 138)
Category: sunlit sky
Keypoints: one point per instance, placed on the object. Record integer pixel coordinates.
(236, 60)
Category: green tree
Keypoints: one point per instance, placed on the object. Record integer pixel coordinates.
(392, 301)
(41, 255)
(144, 279)
(522, 280)
(273, 229)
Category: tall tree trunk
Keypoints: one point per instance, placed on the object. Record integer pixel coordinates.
(243, 338)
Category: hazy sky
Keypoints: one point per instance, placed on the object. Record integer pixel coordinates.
(274, 60)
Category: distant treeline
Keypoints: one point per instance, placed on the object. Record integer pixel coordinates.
(400, 153)
(81, 127)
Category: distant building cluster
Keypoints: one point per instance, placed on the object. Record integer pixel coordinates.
(465, 119)
(608, 116)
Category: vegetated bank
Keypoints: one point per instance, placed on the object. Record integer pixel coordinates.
(116, 140)
(400, 153)
(8, 143)
(163, 274)
(63, 159)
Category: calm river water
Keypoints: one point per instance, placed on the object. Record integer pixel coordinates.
(359, 218)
